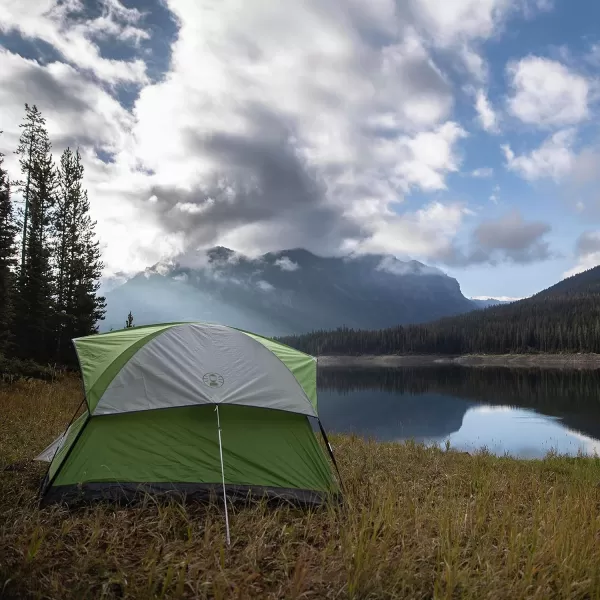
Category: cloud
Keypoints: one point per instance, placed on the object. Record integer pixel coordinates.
(500, 298)
(81, 112)
(495, 195)
(254, 138)
(482, 172)
(553, 159)
(61, 92)
(462, 25)
(588, 243)
(474, 63)
(508, 238)
(286, 264)
(265, 286)
(427, 232)
(546, 93)
(461, 20)
(485, 112)
(295, 144)
(469, 21)
(587, 252)
(593, 55)
(266, 183)
(518, 240)
(397, 267)
(72, 34)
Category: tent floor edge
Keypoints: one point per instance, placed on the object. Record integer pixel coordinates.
(135, 492)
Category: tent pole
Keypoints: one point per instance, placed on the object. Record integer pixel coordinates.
(223, 477)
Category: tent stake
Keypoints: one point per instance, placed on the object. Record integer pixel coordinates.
(223, 477)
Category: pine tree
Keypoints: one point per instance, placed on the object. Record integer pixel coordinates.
(129, 322)
(35, 309)
(77, 259)
(88, 308)
(70, 175)
(32, 144)
(8, 230)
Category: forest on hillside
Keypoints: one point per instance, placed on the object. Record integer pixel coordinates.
(566, 320)
(50, 260)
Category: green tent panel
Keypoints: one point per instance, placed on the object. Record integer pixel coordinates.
(155, 398)
(262, 448)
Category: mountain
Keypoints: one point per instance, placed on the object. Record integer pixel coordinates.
(562, 318)
(487, 302)
(586, 283)
(288, 292)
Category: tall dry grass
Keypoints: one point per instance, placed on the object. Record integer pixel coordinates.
(418, 523)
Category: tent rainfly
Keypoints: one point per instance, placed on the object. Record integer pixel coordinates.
(193, 408)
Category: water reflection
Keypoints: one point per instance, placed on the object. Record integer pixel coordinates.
(522, 412)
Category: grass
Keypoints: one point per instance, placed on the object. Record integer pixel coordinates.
(418, 523)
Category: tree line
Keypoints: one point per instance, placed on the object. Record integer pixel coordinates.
(50, 259)
(564, 321)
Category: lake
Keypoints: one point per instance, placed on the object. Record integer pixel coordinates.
(520, 412)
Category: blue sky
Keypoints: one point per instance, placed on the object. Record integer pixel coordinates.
(462, 134)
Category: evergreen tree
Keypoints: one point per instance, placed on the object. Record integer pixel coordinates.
(129, 322)
(77, 259)
(32, 144)
(35, 309)
(8, 230)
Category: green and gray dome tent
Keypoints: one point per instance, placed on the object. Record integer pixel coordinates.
(160, 397)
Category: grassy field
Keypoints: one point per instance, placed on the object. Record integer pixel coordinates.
(418, 523)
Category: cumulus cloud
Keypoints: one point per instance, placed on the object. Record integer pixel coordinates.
(546, 93)
(501, 298)
(452, 22)
(265, 286)
(587, 252)
(61, 92)
(553, 159)
(508, 238)
(495, 195)
(485, 113)
(461, 25)
(294, 143)
(397, 267)
(286, 264)
(518, 240)
(256, 139)
(80, 112)
(429, 231)
(66, 28)
(482, 172)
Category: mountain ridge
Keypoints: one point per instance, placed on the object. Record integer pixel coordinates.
(562, 318)
(286, 292)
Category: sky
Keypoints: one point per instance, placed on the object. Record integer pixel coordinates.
(460, 133)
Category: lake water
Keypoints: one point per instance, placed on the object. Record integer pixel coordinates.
(520, 412)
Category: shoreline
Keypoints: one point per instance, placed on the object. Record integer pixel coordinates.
(541, 361)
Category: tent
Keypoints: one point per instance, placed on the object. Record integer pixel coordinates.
(192, 408)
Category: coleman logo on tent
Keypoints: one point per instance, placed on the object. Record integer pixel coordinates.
(213, 380)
